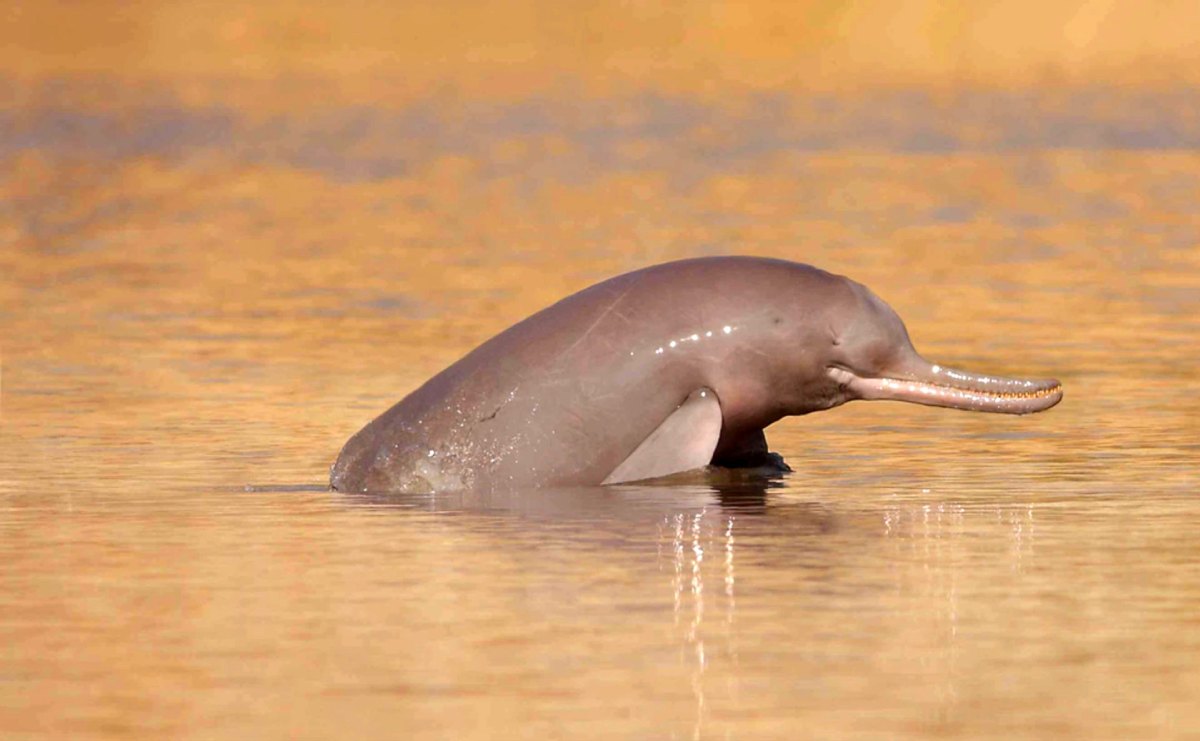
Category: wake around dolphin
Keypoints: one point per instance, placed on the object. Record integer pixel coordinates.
(662, 370)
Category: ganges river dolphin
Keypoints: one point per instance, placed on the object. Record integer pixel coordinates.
(658, 371)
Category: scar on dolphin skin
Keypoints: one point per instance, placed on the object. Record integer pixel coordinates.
(701, 357)
(491, 416)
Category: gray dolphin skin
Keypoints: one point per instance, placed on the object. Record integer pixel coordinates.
(662, 370)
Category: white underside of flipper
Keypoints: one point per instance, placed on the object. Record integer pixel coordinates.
(684, 441)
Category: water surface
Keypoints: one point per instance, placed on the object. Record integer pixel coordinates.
(202, 300)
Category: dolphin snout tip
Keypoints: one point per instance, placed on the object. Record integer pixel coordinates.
(1054, 392)
(1037, 396)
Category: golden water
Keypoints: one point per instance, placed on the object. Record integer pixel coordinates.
(211, 276)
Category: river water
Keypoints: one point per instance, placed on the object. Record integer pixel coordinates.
(205, 293)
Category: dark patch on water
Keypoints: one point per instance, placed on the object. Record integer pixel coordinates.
(953, 214)
(1027, 220)
(679, 134)
(397, 304)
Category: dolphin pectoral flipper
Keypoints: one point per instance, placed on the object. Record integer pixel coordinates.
(685, 440)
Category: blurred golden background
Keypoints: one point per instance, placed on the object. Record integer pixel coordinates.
(489, 48)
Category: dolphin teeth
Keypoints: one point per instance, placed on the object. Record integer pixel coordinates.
(938, 387)
(1038, 394)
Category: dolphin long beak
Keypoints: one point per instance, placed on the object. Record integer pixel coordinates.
(924, 383)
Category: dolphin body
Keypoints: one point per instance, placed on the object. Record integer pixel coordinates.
(657, 371)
